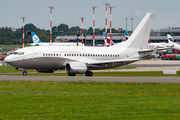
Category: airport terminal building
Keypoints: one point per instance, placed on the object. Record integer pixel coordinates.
(155, 37)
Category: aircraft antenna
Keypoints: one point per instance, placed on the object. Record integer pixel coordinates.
(51, 8)
(23, 28)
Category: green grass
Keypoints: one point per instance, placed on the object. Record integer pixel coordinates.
(88, 100)
(127, 67)
(10, 69)
(4, 70)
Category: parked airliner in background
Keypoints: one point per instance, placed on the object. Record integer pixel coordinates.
(107, 42)
(83, 59)
(172, 42)
(126, 35)
(162, 46)
(110, 43)
(38, 42)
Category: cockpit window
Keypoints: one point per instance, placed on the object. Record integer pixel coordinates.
(15, 53)
(18, 53)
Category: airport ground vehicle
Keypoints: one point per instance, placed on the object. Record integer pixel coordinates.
(169, 52)
(163, 57)
(172, 57)
(177, 57)
(2, 58)
(169, 57)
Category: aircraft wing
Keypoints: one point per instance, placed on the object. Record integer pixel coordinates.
(168, 48)
(149, 51)
(145, 54)
(109, 64)
(158, 49)
(112, 61)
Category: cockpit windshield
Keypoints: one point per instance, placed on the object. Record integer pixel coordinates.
(18, 53)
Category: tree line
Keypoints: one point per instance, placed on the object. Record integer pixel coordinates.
(9, 37)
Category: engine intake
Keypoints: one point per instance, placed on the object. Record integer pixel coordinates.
(76, 67)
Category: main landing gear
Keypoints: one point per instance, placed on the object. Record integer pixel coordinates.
(71, 74)
(24, 73)
(87, 74)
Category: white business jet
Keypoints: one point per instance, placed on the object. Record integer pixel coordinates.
(83, 59)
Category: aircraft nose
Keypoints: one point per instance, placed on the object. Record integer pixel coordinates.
(7, 59)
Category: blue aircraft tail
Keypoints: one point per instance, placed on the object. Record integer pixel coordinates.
(35, 38)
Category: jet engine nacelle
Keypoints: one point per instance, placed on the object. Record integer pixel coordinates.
(76, 67)
(44, 70)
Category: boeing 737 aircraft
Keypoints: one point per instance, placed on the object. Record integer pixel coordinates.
(38, 42)
(83, 59)
(171, 42)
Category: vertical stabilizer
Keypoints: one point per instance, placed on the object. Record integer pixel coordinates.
(170, 39)
(35, 38)
(140, 36)
(108, 42)
(126, 35)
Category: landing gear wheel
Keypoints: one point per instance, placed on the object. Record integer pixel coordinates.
(72, 74)
(89, 73)
(24, 73)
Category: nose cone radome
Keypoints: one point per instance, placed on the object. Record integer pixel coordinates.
(7, 60)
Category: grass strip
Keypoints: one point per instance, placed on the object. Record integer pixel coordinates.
(138, 73)
(9, 69)
(88, 100)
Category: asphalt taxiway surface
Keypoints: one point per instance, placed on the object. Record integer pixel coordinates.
(153, 79)
(145, 65)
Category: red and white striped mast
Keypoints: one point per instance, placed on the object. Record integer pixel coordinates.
(51, 8)
(82, 19)
(110, 25)
(106, 23)
(93, 26)
(23, 29)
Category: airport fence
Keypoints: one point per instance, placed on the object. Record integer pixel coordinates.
(5, 48)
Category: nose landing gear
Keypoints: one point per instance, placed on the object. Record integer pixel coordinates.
(24, 73)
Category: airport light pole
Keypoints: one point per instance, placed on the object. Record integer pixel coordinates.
(126, 21)
(132, 23)
(82, 19)
(107, 4)
(23, 29)
(110, 25)
(51, 8)
(93, 25)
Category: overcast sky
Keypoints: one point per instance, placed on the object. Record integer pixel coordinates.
(68, 12)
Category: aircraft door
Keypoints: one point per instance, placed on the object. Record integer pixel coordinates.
(35, 54)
